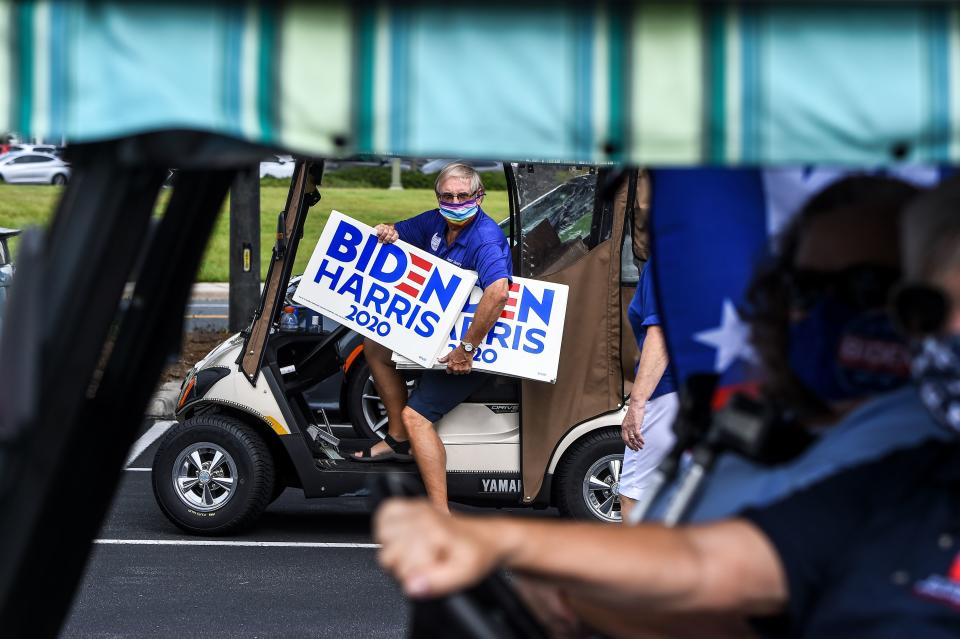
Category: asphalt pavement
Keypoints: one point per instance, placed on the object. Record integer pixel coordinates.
(307, 569)
(208, 308)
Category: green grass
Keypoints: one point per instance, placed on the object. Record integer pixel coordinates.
(25, 205)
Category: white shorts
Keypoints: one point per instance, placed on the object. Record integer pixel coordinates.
(658, 440)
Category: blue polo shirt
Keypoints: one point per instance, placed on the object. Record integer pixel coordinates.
(642, 314)
(873, 552)
(480, 247)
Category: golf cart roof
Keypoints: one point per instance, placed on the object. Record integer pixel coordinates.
(651, 83)
(5, 232)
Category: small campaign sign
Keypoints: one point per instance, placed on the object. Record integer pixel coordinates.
(525, 340)
(396, 294)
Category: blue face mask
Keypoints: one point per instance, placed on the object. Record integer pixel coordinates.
(841, 354)
(459, 212)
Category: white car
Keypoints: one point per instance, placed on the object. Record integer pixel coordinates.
(33, 168)
(480, 165)
(6, 266)
(277, 166)
(34, 148)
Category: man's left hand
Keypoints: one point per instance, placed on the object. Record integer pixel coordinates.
(458, 361)
(548, 603)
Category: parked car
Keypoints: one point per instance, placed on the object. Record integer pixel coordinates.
(277, 166)
(480, 165)
(34, 148)
(6, 267)
(33, 168)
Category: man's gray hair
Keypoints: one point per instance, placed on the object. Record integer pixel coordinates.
(459, 170)
(931, 232)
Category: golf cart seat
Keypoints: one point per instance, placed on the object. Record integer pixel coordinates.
(544, 252)
(313, 356)
(496, 390)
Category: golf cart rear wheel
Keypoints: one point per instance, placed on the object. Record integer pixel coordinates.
(587, 481)
(367, 414)
(213, 475)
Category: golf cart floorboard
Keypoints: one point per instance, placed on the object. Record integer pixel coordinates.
(345, 477)
(364, 468)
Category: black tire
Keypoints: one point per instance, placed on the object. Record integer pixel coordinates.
(356, 386)
(252, 470)
(573, 470)
(278, 489)
(59, 179)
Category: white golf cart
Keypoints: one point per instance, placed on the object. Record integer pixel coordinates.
(246, 431)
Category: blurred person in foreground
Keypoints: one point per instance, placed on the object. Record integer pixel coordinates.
(869, 552)
(461, 233)
(828, 347)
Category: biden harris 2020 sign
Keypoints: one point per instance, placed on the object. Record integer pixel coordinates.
(396, 294)
(525, 340)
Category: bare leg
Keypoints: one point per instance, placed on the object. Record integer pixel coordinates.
(626, 505)
(430, 455)
(392, 389)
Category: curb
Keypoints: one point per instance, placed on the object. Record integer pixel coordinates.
(163, 404)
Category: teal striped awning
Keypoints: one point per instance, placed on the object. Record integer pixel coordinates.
(650, 83)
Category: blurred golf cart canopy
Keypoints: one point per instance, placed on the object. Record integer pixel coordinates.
(635, 83)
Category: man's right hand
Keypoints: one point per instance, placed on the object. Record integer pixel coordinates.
(430, 553)
(386, 234)
(631, 429)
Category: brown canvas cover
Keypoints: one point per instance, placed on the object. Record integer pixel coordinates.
(591, 374)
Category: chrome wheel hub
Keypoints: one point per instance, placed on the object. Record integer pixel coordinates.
(601, 488)
(374, 412)
(204, 477)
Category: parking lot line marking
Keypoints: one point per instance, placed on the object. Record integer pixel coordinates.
(223, 542)
(138, 470)
(206, 317)
(153, 434)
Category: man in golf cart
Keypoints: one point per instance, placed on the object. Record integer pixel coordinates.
(870, 551)
(460, 232)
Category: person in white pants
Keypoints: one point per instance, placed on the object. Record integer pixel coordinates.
(647, 429)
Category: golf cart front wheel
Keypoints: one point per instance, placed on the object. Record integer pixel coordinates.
(588, 479)
(213, 475)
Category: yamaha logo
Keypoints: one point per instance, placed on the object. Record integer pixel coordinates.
(500, 485)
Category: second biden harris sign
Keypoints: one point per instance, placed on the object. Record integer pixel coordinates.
(525, 340)
(396, 294)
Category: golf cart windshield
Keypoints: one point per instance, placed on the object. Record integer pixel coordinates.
(560, 219)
